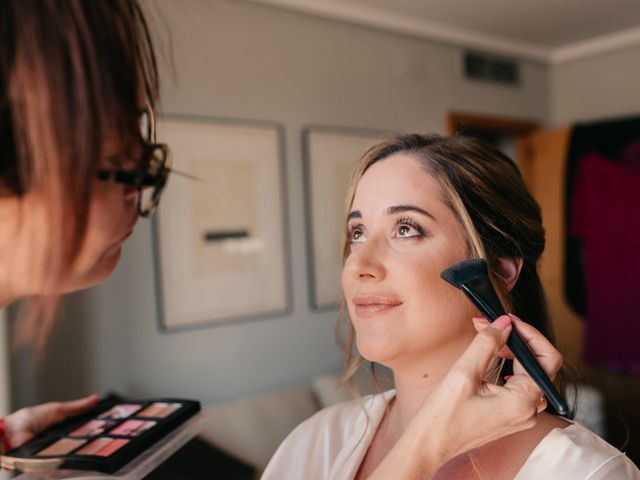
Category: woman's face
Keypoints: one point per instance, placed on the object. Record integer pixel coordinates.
(112, 215)
(27, 240)
(402, 235)
(113, 212)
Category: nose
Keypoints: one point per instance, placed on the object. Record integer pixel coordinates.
(366, 262)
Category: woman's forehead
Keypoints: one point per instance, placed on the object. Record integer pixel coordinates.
(398, 179)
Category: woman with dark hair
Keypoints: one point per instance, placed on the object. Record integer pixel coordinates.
(416, 205)
(78, 159)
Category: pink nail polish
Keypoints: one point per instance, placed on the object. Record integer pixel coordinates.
(507, 377)
(502, 322)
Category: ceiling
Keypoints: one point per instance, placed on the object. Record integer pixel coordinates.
(548, 30)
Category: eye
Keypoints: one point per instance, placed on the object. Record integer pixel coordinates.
(356, 234)
(407, 228)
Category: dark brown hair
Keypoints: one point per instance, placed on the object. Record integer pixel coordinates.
(485, 191)
(71, 73)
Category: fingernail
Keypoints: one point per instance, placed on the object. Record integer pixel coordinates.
(501, 322)
(480, 320)
(507, 377)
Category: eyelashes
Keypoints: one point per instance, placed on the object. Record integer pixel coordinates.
(356, 234)
(404, 228)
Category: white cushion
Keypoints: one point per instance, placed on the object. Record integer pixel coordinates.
(329, 391)
(251, 429)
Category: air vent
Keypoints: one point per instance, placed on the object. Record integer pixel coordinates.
(489, 68)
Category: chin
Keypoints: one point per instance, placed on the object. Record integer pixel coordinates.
(105, 267)
(100, 271)
(377, 350)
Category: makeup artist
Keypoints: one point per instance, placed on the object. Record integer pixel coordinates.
(78, 166)
(78, 160)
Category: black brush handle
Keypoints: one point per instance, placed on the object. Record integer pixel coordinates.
(482, 294)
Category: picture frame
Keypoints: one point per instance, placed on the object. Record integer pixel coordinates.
(329, 156)
(220, 236)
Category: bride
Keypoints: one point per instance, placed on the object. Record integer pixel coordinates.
(418, 204)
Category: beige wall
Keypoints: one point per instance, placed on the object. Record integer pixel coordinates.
(240, 60)
(606, 85)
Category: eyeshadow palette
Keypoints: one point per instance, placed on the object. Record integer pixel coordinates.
(103, 440)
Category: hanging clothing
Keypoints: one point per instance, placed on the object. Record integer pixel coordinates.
(608, 138)
(601, 244)
(332, 444)
(606, 219)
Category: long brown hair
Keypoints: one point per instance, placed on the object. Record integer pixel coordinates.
(485, 191)
(70, 71)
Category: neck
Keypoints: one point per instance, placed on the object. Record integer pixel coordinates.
(413, 385)
(410, 393)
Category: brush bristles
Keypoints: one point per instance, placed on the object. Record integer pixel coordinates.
(462, 272)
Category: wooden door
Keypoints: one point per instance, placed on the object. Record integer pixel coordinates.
(542, 158)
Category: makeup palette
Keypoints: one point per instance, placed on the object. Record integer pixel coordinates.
(104, 440)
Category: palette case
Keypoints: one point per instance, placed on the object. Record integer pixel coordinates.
(105, 439)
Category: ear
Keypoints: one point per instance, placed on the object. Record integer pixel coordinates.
(508, 270)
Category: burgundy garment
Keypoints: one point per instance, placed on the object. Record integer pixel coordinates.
(606, 218)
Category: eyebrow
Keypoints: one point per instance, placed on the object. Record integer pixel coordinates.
(408, 208)
(354, 214)
(393, 210)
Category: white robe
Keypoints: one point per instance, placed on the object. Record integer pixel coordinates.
(332, 444)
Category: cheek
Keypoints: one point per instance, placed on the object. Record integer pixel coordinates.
(108, 216)
(346, 281)
(347, 284)
(99, 227)
(433, 302)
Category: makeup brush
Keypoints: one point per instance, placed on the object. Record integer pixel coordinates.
(472, 277)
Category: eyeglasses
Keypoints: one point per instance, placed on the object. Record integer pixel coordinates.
(151, 179)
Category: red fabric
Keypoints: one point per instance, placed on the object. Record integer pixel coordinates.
(6, 446)
(606, 217)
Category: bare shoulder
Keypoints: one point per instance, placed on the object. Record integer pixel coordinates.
(548, 422)
(572, 452)
(515, 449)
(523, 443)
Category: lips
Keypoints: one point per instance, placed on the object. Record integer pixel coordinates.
(372, 305)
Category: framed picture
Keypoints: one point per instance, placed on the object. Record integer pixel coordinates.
(330, 153)
(220, 237)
